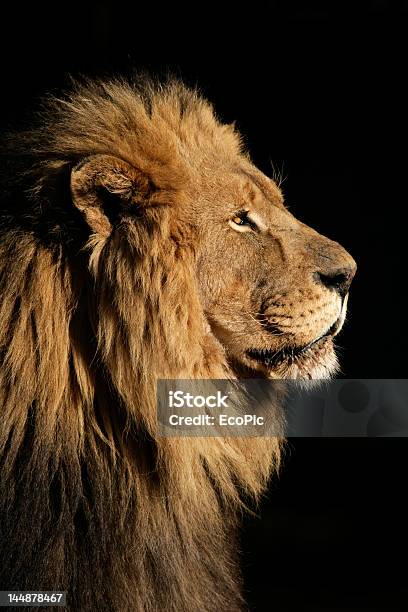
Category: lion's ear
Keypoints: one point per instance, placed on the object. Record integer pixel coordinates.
(104, 187)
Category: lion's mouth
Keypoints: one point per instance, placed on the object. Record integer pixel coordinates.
(290, 354)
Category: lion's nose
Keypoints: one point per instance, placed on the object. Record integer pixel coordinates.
(339, 279)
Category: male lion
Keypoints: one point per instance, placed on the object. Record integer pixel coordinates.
(139, 242)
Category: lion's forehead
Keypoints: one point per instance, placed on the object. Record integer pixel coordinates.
(240, 189)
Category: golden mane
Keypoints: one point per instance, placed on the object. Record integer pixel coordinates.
(93, 501)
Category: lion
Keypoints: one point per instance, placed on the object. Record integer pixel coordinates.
(139, 242)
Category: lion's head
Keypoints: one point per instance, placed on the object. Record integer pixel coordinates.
(138, 242)
(272, 290)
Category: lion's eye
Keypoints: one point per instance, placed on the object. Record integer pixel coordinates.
(242, 222)
(238, 220)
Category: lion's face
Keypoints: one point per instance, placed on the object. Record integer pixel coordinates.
(274, 290)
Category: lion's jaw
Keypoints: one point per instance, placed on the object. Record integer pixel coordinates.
(288, 351)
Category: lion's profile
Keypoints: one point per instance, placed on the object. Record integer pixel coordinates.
(139, 242)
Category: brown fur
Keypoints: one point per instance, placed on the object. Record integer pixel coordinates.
(109, 281)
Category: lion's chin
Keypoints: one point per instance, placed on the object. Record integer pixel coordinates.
(317, 362)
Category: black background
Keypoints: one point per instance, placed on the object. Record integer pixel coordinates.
(320, 89)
